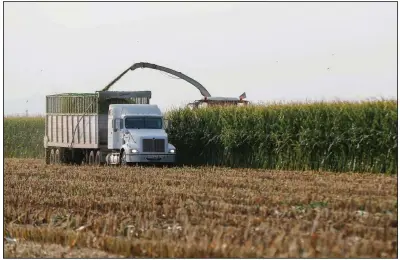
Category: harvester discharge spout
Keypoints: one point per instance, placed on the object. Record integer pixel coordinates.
(203, 90)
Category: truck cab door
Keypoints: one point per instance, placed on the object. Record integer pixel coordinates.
(114, 133)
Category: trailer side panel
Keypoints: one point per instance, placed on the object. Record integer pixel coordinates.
(72, 130)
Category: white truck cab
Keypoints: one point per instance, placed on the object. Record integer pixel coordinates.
(136, 134)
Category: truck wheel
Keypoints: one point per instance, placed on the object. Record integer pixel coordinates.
(52, 154)
(97, 159)
(123, 159)
(57, 159)
(91, 158)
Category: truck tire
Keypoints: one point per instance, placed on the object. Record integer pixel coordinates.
(57, 157)
(123, 159)
(52, 155)
(91, 158)
(97, 159)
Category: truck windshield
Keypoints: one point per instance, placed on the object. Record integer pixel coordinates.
(143, 123)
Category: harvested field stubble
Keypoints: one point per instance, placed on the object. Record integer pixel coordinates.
(205, 212)
(28, 249)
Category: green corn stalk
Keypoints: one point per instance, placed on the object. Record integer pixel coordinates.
(339, 136)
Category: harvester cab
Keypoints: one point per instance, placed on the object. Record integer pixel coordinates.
(219, 101)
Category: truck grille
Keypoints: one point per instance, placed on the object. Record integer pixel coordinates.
(154, 145)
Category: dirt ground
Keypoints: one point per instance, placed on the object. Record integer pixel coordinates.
(68, 211)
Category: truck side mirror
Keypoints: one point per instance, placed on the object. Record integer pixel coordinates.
(166, 123)
(116, 124)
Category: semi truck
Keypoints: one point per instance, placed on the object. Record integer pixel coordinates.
(106, 127)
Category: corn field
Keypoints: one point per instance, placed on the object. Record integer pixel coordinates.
(23, 137)
(339, 137)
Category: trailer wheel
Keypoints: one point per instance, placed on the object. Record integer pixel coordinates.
(52, 155)
(91, 158)
(97, 160)
(57, 159)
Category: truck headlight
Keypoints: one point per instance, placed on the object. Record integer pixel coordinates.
(134, 151)
(172, 151)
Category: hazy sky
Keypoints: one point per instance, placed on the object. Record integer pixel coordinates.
(272, 51)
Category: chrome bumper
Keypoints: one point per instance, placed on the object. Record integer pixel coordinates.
(151, 158)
